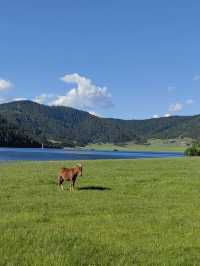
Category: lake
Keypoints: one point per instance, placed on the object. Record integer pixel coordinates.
(36, 154)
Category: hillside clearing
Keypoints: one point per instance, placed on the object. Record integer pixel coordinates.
(172, 145)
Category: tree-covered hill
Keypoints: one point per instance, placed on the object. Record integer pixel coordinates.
(62, 126)
(12, 136)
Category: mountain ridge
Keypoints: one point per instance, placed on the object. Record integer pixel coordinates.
(66, 126)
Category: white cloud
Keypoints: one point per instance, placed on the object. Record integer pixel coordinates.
(5, 85)
(94, 113)
(196, 77)
(176, 107)
(190, 101)
(167, 115)
(9, 99)
(2, 100)
(19, 99)
(43, 97)
(85, 96)
(155, 116)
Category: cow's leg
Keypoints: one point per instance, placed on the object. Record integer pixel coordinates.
(60, 182)
(73, 182)
(70, 187)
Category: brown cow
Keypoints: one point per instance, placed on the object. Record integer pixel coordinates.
(69, 174)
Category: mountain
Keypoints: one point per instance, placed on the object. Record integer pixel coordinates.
(12, 136)
(65, 126)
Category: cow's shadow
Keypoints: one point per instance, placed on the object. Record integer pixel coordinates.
(94, 188)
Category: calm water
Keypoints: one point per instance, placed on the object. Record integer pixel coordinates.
(16, 154)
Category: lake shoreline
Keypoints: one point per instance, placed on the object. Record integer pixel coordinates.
(39, 154)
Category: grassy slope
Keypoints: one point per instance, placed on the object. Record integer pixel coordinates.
(142, 212)
(137, 147)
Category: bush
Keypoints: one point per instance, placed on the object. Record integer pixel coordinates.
(194, 150)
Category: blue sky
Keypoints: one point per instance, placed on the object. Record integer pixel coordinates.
(125, 59)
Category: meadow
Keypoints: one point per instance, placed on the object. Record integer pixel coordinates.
(171, 145)
(123, 212)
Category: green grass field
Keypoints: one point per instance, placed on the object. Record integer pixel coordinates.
(174, 145)
(123, 212)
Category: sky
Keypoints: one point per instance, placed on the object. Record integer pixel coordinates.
(130, 59)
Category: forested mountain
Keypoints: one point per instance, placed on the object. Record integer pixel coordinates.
(12, 136)
(64, 126)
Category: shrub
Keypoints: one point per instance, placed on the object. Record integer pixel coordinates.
(194, 150)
